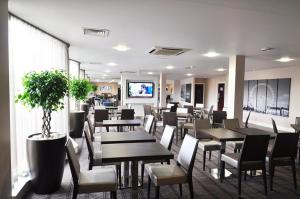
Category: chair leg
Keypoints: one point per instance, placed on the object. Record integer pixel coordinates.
(209, 155)
(299, 156)
(271, 173)
(149, 184)
(245, 175)
(157, 192)
(90, 166)
(180, 189)
(222, 172)
(191, 188)
(107, 129)
(294, 174)
(204, 159)
(239, 181)
(119, 176)
(75, 192)
(142, 173)
(265, 180)
(113, 194)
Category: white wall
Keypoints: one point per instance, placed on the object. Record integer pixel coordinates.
(137, 102)
(5, 177)
(211, 97)
(176, 95)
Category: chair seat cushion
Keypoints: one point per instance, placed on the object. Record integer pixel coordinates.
(236, 144)
(231, 159)
(188, 125)
(166, 174)
(209, 145)
(97, 180)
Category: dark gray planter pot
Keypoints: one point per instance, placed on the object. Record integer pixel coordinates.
(46, 159)
(85, 107)
(77, 120)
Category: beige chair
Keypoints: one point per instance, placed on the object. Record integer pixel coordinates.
(147, 111)
(97, 180)
(233, 124)
(205, 144)
(166, 141)
(149, 124)
(179, 173)
(95, 155)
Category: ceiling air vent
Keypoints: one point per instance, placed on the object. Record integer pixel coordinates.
(167, 51)
(96, 32)
(127, 72)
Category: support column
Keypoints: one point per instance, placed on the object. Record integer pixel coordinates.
(162, 96)
(236, 75)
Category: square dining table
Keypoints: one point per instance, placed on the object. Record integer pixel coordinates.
(134, 152)
(120, 123)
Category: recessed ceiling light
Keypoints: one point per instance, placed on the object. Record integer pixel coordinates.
(285, 59)
(121, 47)
(112, 64)
(169, 67)
(211, 54)
(267, 49)
(150, 73)
(189, 74)
(221, 69)
(107, 71)
(104, 75)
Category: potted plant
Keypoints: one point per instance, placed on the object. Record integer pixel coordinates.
(45, 150)
(79, 90)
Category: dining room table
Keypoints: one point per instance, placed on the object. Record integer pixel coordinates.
(134, 152)
(120, 123)
(254, 131)
(126, 137)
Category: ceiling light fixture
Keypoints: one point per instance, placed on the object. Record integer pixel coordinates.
(211, 54)
(221, 69)
(112, 64)
(121, 47)
(104, 75)
(107, 71)
(267, 49)
(150, 73)
(189, 74)
(169, 67)
(285, 59)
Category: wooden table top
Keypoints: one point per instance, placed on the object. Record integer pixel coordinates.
(134, 152)
(121, 123)
(126, 137)
(254, 131)
(111, 107)
(296, 127)
(222, 135)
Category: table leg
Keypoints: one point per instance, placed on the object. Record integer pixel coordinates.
(134, 173)
(126, 174)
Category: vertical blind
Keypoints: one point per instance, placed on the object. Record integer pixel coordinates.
(31, 50)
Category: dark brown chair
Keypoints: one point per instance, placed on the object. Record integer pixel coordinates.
(166, 141)
(100, 115)
(170, 118)
(233, 124)
(98, 180)
(274, 126)
(218, 117)
(252, 157)
(127, 114)
(297, 122)
(283, 153)
(94, 158)
(147, 112)
(180, 173)
(190, 109)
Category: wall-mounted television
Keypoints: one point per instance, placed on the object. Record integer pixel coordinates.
(140, 89)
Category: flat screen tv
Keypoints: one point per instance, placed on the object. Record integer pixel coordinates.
(140, 89)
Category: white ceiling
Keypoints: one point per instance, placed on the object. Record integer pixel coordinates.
(226, 26)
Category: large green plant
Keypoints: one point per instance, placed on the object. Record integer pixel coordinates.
(79, 89)
(44, 89)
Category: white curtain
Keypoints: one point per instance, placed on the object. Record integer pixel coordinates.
(31, 50)
(74, 68)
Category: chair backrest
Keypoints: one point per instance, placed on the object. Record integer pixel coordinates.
(187, 153)
(167, 137)
(231, 123)
(254, 148)
(127, 114)
(247, 119)
(73, 161)
(147, 110)
(89, 143)
(297, 121)
(285, 145)
(190, 108)
(149, 123)
(170, 118)
(201, 124)
(274, 126)
(219, 116)
(91, 129)
(100, 115)
(199, 105)
(182, 110)
(170, 105)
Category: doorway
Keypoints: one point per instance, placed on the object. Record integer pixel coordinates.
(199, 94)
(221, 93)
